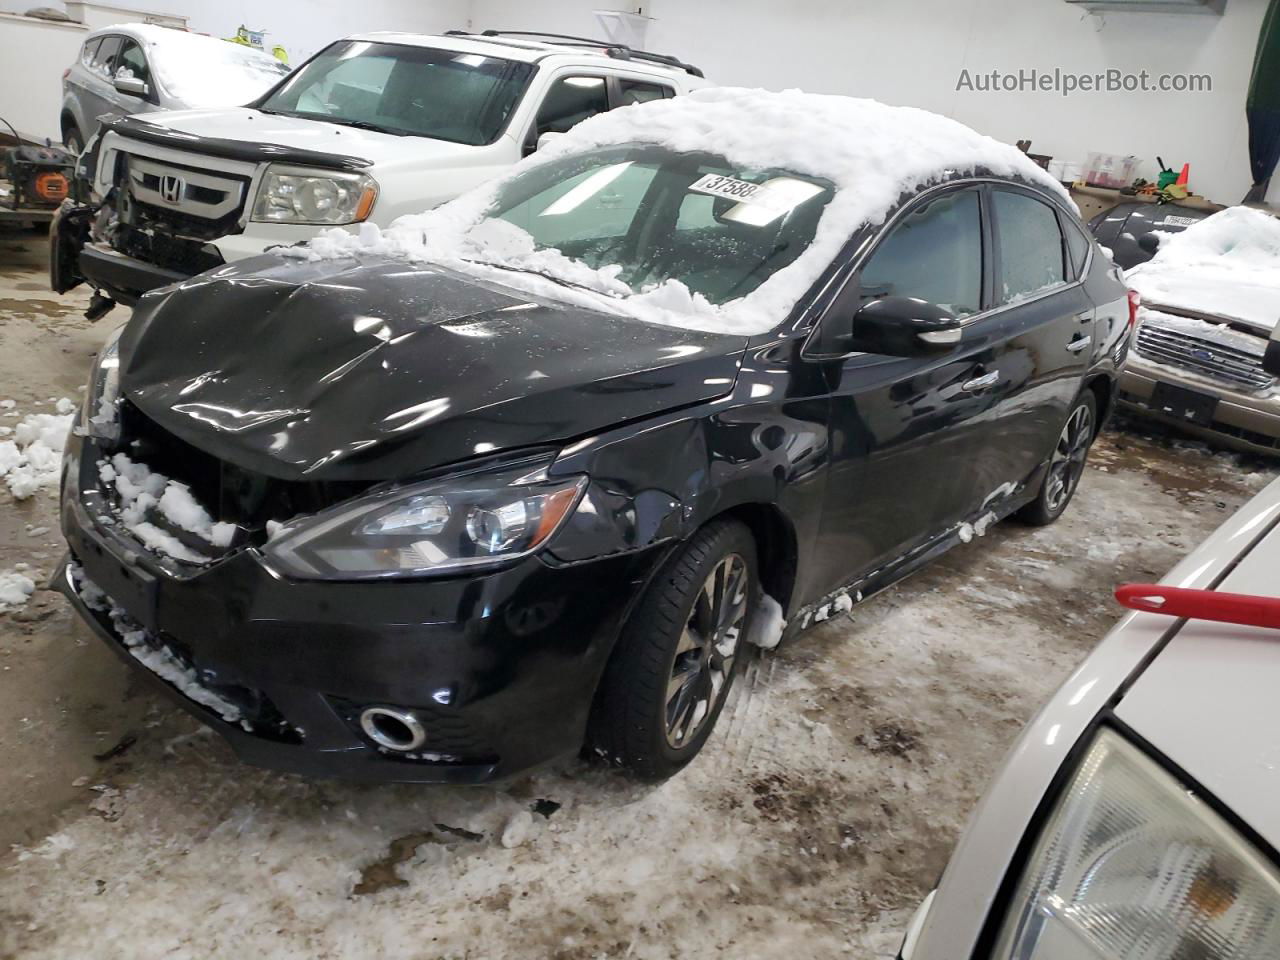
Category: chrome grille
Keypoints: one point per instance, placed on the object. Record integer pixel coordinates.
(1214, 358)
(195, 193)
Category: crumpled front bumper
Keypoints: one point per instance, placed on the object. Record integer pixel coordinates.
(501, 668)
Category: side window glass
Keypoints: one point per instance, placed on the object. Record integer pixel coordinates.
(934, 254)
(637, 91)
(1077, 248)
(102, 58)
(88, 50)
(131, 63)
(570, 101)
(1031, 258)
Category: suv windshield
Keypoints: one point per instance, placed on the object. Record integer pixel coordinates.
(652, 214)
(461, 97)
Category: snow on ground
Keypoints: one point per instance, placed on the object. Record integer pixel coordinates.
(32, 460)
(870, 151)
(15, 589)
(1226, 265)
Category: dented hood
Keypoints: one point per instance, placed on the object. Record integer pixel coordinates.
(371, 369)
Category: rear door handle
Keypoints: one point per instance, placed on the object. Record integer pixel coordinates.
(1078, 344)
(982, 382)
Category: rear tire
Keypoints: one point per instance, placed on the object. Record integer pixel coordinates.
(1066, 463)
(679, 652)
(73, 141)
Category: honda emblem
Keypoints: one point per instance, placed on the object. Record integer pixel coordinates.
(172, 188)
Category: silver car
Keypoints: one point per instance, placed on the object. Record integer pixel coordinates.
(140, 68)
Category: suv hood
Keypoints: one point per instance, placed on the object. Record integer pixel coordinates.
(1208, 701)
(250, 126)
(1208, 292)
(369, 369)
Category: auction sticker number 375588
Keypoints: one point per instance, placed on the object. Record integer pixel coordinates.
(720, 186)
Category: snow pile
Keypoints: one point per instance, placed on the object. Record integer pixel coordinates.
(32, 460)
(158, 659)
(1227, 265)
(141, 490)
(206, 71)
(768, 623)
(15, 589)
(872, 152)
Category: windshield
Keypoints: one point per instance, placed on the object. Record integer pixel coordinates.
(460, 97)
(647, 214)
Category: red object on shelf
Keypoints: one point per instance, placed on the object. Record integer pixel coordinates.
(1241, 608)
(1184, 177)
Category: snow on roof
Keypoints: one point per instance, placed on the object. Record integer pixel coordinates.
(1227, 265)
(204, 71)
(872, 152)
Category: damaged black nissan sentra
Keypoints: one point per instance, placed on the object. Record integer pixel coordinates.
(522, 476)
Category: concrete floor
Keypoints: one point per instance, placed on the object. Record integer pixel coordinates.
(821, 811)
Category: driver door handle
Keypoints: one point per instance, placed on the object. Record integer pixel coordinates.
(982, 382)
(1078, 344)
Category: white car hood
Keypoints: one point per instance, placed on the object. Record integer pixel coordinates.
(383, 150)
(1210, 703)
(1213, 292)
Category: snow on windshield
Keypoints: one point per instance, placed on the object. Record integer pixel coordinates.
(871, 152)
(206, 71)
(1227, 265)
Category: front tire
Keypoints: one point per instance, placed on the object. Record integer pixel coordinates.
(74, 142)
(671, 671)
(1066, 464)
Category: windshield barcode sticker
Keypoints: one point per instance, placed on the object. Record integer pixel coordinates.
(719, 186)
(1172, 221)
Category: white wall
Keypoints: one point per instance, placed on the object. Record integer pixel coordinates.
(912, 52)
(34, 53)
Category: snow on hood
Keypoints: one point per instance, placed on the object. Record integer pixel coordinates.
(205, 71)
(872, 152)
(1227, 265)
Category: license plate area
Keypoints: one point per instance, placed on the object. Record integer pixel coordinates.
(1183, 404)
(129, 587)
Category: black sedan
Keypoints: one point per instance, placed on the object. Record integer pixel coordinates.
(405, 509)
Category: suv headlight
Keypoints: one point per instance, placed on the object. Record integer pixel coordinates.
(100, 415)
(431, 528)
(1132, 864)
(306, 195)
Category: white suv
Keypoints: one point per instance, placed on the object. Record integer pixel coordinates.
(372, 127)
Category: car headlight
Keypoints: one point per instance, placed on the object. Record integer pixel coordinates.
(1132, 864)
(305, 195)
(439, 527)
(100, 415)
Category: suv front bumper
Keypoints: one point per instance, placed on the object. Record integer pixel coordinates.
(500, 668)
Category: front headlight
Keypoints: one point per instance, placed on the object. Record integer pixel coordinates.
(1133, 865)
(306, 195)
(100, 416)
(431, 528)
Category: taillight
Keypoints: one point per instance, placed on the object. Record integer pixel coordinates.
(1135, 301)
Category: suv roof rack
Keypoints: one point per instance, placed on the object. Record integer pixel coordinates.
(619, 51)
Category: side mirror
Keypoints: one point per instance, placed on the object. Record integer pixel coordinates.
(1271, 361)
(1149, 242)
(545, 139)
(902, 327)
(131, 86)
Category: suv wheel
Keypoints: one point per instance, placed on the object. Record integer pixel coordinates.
(1066, 464)
(73, 141)
(669, 676)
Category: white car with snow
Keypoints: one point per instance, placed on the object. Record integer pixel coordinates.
(1210, 300)
(134, 68)
(1136, 816)
(373, 127)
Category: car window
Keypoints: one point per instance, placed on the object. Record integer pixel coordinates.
(1031, 257)
(1077, 247)
(88, 50)
(934, 253)
(638, 91)
(459, 97)
(570, 101)
(131, 62)
(103, 56)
